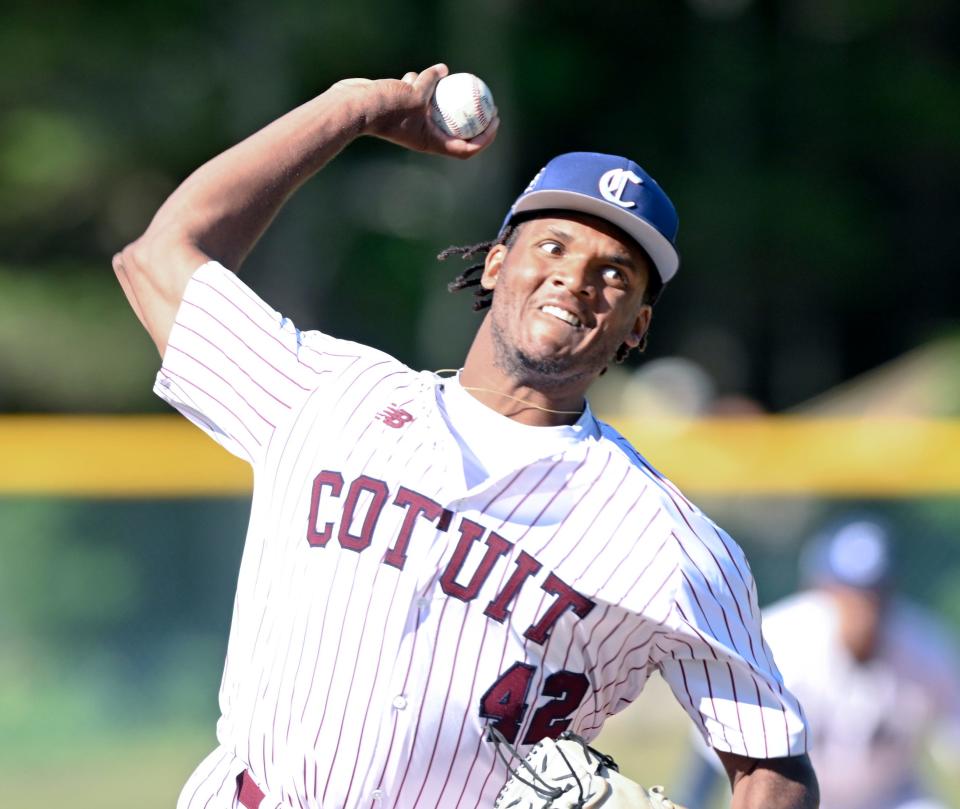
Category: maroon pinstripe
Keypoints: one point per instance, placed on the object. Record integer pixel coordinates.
(243, 342)
(240, 396)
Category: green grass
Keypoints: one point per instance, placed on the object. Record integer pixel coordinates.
(138, 772)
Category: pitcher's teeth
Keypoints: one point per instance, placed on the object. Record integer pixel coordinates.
(566, 317)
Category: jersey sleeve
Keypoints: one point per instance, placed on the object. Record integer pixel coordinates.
(714, 656)
(235, 367)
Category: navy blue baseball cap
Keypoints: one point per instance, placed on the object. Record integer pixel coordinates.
(855, 553)
(612, 188)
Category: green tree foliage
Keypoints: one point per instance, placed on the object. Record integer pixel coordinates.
(812, 148)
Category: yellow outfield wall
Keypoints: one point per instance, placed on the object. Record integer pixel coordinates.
(165, 456)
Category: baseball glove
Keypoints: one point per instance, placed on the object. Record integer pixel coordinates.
(566, 773)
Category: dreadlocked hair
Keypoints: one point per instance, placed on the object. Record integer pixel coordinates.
(482, 298)
(471, 276)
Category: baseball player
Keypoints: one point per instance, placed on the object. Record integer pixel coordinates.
(430, 557)
(879, 677)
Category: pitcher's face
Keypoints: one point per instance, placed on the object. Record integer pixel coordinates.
(569, 290)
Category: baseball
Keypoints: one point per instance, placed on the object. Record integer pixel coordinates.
(462, 105)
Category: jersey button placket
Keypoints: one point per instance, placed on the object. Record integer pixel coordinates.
(399, 702)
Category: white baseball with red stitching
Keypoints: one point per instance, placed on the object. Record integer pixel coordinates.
(462, 105)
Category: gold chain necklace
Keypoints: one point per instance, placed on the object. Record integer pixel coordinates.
(455, 371)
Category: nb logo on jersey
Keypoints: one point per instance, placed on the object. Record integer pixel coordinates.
(395, 417)
(614, 182)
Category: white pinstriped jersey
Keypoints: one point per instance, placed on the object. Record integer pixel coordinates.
(386, 613)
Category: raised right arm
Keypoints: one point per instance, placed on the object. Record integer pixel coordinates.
(220, 211)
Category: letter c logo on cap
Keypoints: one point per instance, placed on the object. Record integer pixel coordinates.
(614, 182)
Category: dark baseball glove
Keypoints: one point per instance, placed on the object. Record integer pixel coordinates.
(566, 773)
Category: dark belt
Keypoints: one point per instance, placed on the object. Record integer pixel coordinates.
(250, 794)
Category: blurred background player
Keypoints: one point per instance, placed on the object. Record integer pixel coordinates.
(878, 677)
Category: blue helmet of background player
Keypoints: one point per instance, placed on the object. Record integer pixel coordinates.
(852, 563)
(854, 552)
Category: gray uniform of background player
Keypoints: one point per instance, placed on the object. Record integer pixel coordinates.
(879, 676)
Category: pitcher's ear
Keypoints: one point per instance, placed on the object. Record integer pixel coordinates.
(492, 265)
